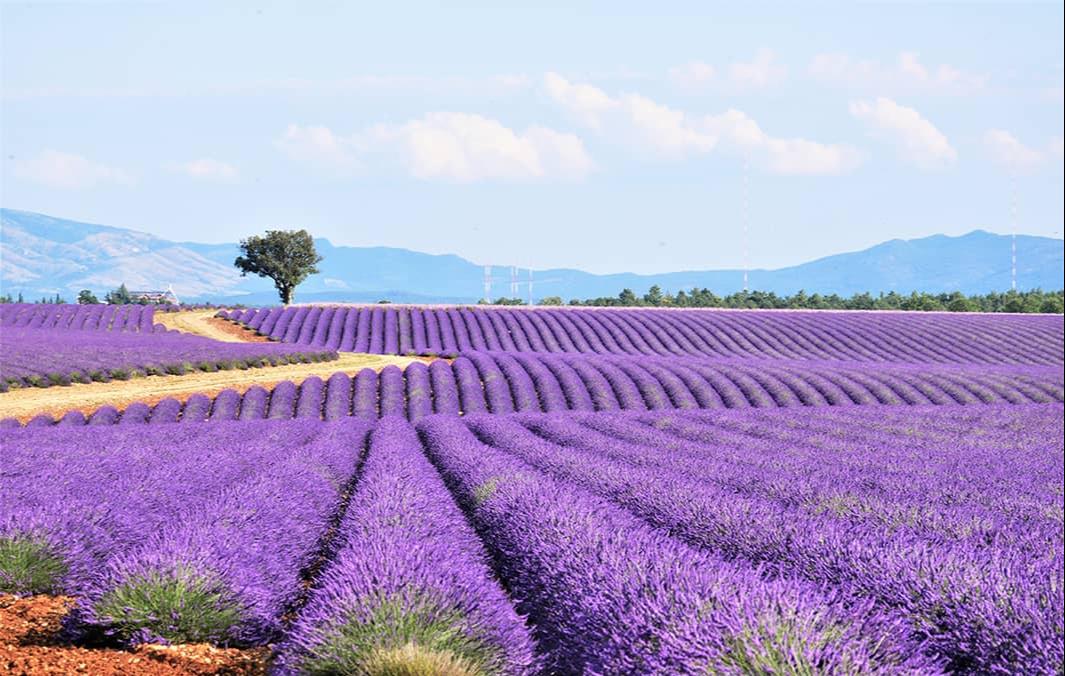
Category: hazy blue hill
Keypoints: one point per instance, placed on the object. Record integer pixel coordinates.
(44, 255)
(977, 262)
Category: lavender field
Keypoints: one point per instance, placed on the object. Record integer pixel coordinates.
(573, 491)
(77, 317)
(52, 356)
(916, 539)
(508, 383)
(808, 335)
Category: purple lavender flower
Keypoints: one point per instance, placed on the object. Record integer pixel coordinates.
(410, 581)
(56, 357)
(608, 594)
(228, 568)
(365, 394)
(338, 396)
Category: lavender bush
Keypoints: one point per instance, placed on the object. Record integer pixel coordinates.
(229, 567)
(527, 382)
(811, 335)
(410, 580)
(85, 494)
(43, 357)
(608, 594)
(888, 558)
(75, 317)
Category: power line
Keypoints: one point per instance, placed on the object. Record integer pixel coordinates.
(538, 281)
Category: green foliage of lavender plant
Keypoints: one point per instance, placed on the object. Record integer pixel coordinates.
(181, 606)
(402, 636)
(28, 565)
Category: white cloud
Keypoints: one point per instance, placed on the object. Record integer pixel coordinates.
(1008, 151)
(208, 169)
(459, 147)
(632, 117)
(587, 103)
(1057, 147)
(317, 145)
(464, 147)
(692, 75)
(907, 74)
(672, 133)
(761, 72)
(67, 170)
(920, 142)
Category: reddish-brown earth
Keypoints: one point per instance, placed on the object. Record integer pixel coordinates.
(204, 323)
(28, 645)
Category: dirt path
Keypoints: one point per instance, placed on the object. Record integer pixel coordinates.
(28, 402)
(30, 644)
(204, 323)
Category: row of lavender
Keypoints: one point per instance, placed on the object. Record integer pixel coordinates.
(79, 317)
(42, 357)
(508, 383)
(947, 521)
(848, 336)
(902, 540)
(116, 519)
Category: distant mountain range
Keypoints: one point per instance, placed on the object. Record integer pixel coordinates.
(42, 255)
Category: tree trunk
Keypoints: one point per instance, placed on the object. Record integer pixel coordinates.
(286, 294)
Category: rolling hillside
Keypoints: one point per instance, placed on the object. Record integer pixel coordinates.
(44, 255)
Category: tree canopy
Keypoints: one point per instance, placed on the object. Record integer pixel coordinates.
(286, 256)
(119, 296)
(1032, 301)
(87, 297)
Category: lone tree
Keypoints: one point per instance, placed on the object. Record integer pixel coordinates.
(286, 256)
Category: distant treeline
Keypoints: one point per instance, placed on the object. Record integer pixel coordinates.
(51, 300)
(120, 296)
(1034, 301)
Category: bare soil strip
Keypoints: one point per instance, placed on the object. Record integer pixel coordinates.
(204, 323)
(25, 403)
(28, 645)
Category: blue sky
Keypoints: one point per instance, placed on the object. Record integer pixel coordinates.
(609, 137)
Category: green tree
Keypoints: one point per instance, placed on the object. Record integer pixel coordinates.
(862, 301)
(627, 297)
(551, 300)
(653, 296)
(86, 297)
(1014, 303)
(286, 256)
(119, 296)
(957, 302)
(1035, 300)
(1052, 305)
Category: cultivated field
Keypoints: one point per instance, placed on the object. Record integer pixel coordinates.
(522, 491)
